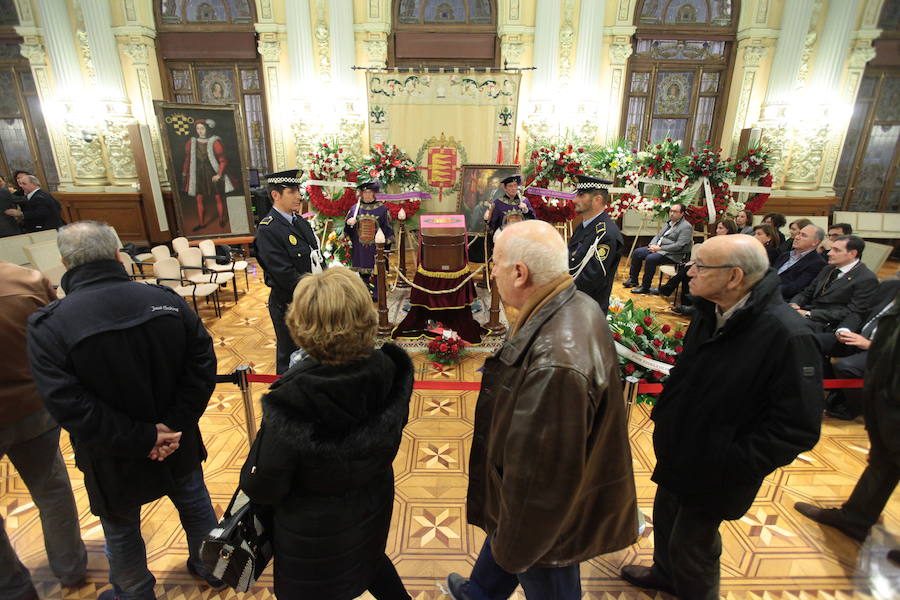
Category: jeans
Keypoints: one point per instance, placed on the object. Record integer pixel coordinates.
(650, 260)
(490, 582)
(128, 572)
(284, 345)
(687, 547)
(34, 452)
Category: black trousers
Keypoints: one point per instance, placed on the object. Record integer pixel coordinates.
(875, 485)
(687, 547)
(386, 583)
(284, 345)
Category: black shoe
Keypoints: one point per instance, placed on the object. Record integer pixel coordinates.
(213, 582)
(684, 310)
(833, 517)
(640, 290)
(629, 284)
(655, 291)
(455, 585)
(842, 412)
(664, 291)
(74, 582)
(109, 594)
(646, 578)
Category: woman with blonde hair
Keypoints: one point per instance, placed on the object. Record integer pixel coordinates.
(331, 429)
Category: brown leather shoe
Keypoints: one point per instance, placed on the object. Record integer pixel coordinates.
(646, 578)
(833, 517)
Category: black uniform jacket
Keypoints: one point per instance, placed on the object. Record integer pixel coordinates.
(594, 280)
(283, 251)
(112, 359)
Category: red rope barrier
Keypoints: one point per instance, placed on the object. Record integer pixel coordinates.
(474, 386)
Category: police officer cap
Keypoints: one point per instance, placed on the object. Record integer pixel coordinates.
(511, 179)
(586, 184)
(289, 178)
(375, 186)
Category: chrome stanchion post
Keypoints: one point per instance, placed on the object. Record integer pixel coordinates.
(630, 391)
(247, 396)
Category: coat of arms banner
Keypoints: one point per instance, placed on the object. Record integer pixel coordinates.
(447, 119)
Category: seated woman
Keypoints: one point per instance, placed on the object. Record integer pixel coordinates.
(765, 233)
(744, 222)
(331, 429)
(723, 226)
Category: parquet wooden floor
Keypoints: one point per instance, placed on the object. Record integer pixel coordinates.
(771, 553)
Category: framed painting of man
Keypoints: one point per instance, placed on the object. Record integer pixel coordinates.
(480, 185)
(206, 153)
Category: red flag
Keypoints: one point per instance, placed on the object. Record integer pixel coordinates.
(499, 152)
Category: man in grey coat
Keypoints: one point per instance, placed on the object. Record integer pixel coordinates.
(671, 245)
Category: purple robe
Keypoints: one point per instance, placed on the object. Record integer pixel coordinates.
(504, 206)
(362, 258)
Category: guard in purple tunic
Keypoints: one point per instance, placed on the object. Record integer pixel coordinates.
(364, 220)
(510, 207)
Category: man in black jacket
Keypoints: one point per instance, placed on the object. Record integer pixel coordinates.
(798, 267)
(717, 437)
(861, 511)
(127, 369)
(840, 295)
(596, 244)
(40, 210)
(286, 248)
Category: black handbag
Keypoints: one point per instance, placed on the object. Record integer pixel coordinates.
(238, 550)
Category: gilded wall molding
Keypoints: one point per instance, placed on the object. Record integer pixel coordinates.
(264, 10)
(762, 12)
(511, 49)
(752, 53)
(566, 41)
(322, 35)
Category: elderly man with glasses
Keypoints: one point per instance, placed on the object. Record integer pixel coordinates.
(718, 433)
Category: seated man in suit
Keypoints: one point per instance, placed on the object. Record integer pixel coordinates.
(834, 232)
(798, 267)
(853, 349)
(671, 245)
(40, 210)
(842, 292)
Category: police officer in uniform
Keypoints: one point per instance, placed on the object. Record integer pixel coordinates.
(287, 249)
(596, 243)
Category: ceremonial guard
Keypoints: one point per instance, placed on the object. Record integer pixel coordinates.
(364, 220)
(287, 249)
(510, 207)
(596, 243)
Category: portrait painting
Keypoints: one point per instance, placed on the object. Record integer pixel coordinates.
(206, 154)
(480, 185)
(673, 93)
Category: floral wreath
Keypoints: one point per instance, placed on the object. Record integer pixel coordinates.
(388, 164)
(331, 163)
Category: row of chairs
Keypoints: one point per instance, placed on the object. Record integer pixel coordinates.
(194, 272)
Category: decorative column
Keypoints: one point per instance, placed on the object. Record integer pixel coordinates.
(60, 41)
(546, 41)
(300, 44)
(590, 45)
(831, 56)
(620, 49)
(343, 48)
(782, 82)
(269, 47)
(752, 51)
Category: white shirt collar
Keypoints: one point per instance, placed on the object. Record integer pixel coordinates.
(722, 317)
(32, 193)
(846, 268)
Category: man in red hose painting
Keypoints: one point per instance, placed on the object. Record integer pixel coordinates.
(204, 171)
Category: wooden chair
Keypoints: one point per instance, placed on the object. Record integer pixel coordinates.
(168, 273)
(208, 250)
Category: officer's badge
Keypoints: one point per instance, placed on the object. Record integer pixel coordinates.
(601, 227)
(602, 252)
(292, 240)
(266, 220)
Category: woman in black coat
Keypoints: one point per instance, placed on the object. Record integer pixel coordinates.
(768, 237)
(331, 430)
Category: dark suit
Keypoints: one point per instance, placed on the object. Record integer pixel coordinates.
(800, 274)
(40, 212)
(284, 251)
(596, 279)
(8, 225)
(836, 302)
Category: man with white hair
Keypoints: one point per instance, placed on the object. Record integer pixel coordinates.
(127, 369)
(40, 210)
(550, 476)
(718, 433)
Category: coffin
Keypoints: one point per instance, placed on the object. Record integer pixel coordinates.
(443, 243)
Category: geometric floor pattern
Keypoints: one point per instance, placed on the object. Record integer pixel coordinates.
(771, 553)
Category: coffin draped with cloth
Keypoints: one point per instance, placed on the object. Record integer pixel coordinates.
(443, 265)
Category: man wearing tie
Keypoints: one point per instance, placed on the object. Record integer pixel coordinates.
(853, 349)
(286, 249)
(596, 243)
(839, 297)
(671, 245)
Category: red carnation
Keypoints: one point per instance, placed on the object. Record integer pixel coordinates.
(639, 330)
(666, 328)
(443, 347)
(629, 369)
(658, 374)
(648, 321)
(679, 334)
(657, 343)
(678, 349)
(617, 336)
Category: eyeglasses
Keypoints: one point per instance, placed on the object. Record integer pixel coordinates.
(699, 267)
